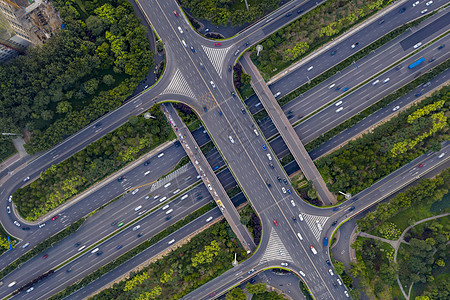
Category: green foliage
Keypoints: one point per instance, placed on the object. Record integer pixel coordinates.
(55, 90)
(235, 294)
(6, 147)
(221, 12)
(339, 267)
(312, 30)
(389, 231)
(369, 158)
(257, 288)
(103, 157)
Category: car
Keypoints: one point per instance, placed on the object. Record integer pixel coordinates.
(134, 191)
(375, 82)
(120, 179)
(441, 155)
(415, 3)
(217, 44)
(441, 47)
(251, 271)
(8, 209)
(346, 89)
(119, 247)
(268, 185)
(351, 208)
(293, 203)
(355, 199)
(302, 273)
(331, 272)
(136, 227)
(310, 68)
(398, 68)
(252, 280)
(420, 165)
(231, 139)
(313, 250)
(25, 228)
(284, 190)
(288, 15)
(114, 223)
(334, 223)
(175, 13)
(289, 191)
(418, 94)
(355, 45)
(285, 181)
(256, 132)
(233, 94)
(202, 66)
(429, 3)
(237, 52)
(332, 86)
(41, 225)
(264, 147)
(209, 219)
(275, 222)
(12, 284)
(30, 289)
(271, 166)
(26, 245)
(140, 234)
(432, 59)
(339, 109)
(209, 187)
(335, 285)
(336, 209)
(299, 236)
(269, 156)
(333, 52)
(184, 43)
(427, 84)
(17, 223)
(381, 22)
(386, 80)
(337, 88)
(77, 244)
(55, 218)
(99, 253)
(424, 11)
(276, 94)
(45, 256)
(279, 179)
(402, 10)
(219, 112)
(417, 45)
(147, 163)
(212, 84)
(180, 30)
(97, 125)
(339, 281)
(300, 217)
(26, 179)
(69, 270)
(396, 108)
(192, 49)
(294, 219)
(120, 224)
(81, 248)
(338, 103)
(212, 294)
(10, 198)
(284, 264)
(328, 262)
(346, 294)
(243, 111)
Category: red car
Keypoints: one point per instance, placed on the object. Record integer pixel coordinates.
(45, 256)
(54, 218)
(420, 166)
(217, 44)
(175, 13)
(275, 222)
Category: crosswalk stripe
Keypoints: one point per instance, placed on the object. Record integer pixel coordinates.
(179, 85)
(312, 222)
(276, 249)
(169, 177)
(216, 56)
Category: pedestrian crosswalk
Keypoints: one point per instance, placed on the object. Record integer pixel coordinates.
(169, 177)
(315, 223)
(216, 56)
(179, 85)
(275, 249)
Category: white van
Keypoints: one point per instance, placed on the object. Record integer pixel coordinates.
(138, 208)
(169, 211)
(165, 207)
(313, 250)
(171, 241)
(299, 236)
(167, 185)
(95, 250)
(82, 247)
(12, 284)
(184, 43)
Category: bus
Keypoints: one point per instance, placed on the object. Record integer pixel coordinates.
(325, 242)
(416, 63)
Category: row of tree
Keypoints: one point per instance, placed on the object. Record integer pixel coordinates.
(80, 74)
(98, 160)
(310, 31)
(365, 160)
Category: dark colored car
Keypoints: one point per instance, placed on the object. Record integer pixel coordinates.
(279, 179)
(336, 209)
(300, 11)
(55, 217)
(120, 179)
(119, 247)
(328, 262)
(402, 10)
(294, 218)
(77, 244)
(229, 68)
(271, 166)
(177, 144)
(175, 13)
(268, 185)
(398, 68)
(147, 163)
(355, 199)
(193, 49)
(285, 181)
(381, 22)
(441, 47)
(288, 15)
(289, 191)
(432, 59)
(334, 223)
(205, 109)
(99, 253)
(233, 94)
(114, 223)
(346, 89)
(168, 218)
(140, 234)
(220, 112)
(69, 270)
(243, 111)
(333, 52)
(25, 228)
(351, 208)
(252, 280)
(418, 94)
(264, 147)
(97, 125)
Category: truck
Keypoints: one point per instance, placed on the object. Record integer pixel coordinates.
(416, 63)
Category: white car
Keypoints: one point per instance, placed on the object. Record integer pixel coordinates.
(284, 190)
(293, 203)
(138, 208)
(301, 273)
(332, 86)
(8, 209)
(256, 132)
(135, 191)
(212, 84)
(277, 94)
(284, 264)
(386, 80)
(339, 281)
(41, 225)
(184, 43)
(10, 198)
(167, 185)
(26, 245)
(424, 11)
(17, 223)
(338, 103)
(165, 207)
(160, 155)
(30, 289)
(231, 139)
(417, 45)
(346, 294)
(26, 179)
(375, 82)
(441, 155)
(162, 199)
(180, 30)
(269, 156)
(300, 217)
(331, 272)
(136, 227)
(415, 3)
(310, 68)
(209, 187)
(209, 219)
(429, 3)
(299, 236)
(396, 108)
(339, 109)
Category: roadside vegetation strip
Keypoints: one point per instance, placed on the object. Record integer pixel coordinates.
(97, 161)
(4, 244)
(135, 251)
(7, 148)
(338, 16)
(389, 146)
(377, 106)
(349, 61)
(42, 247)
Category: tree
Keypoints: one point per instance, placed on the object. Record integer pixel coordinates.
(257, 288)
(245, 79)
(235, 294)
(339, 267)
(95, 25)
(63, 107)
(108, 80)
(90, 86)
(388, 274)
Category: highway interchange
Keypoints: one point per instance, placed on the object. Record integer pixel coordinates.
(245, 157)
